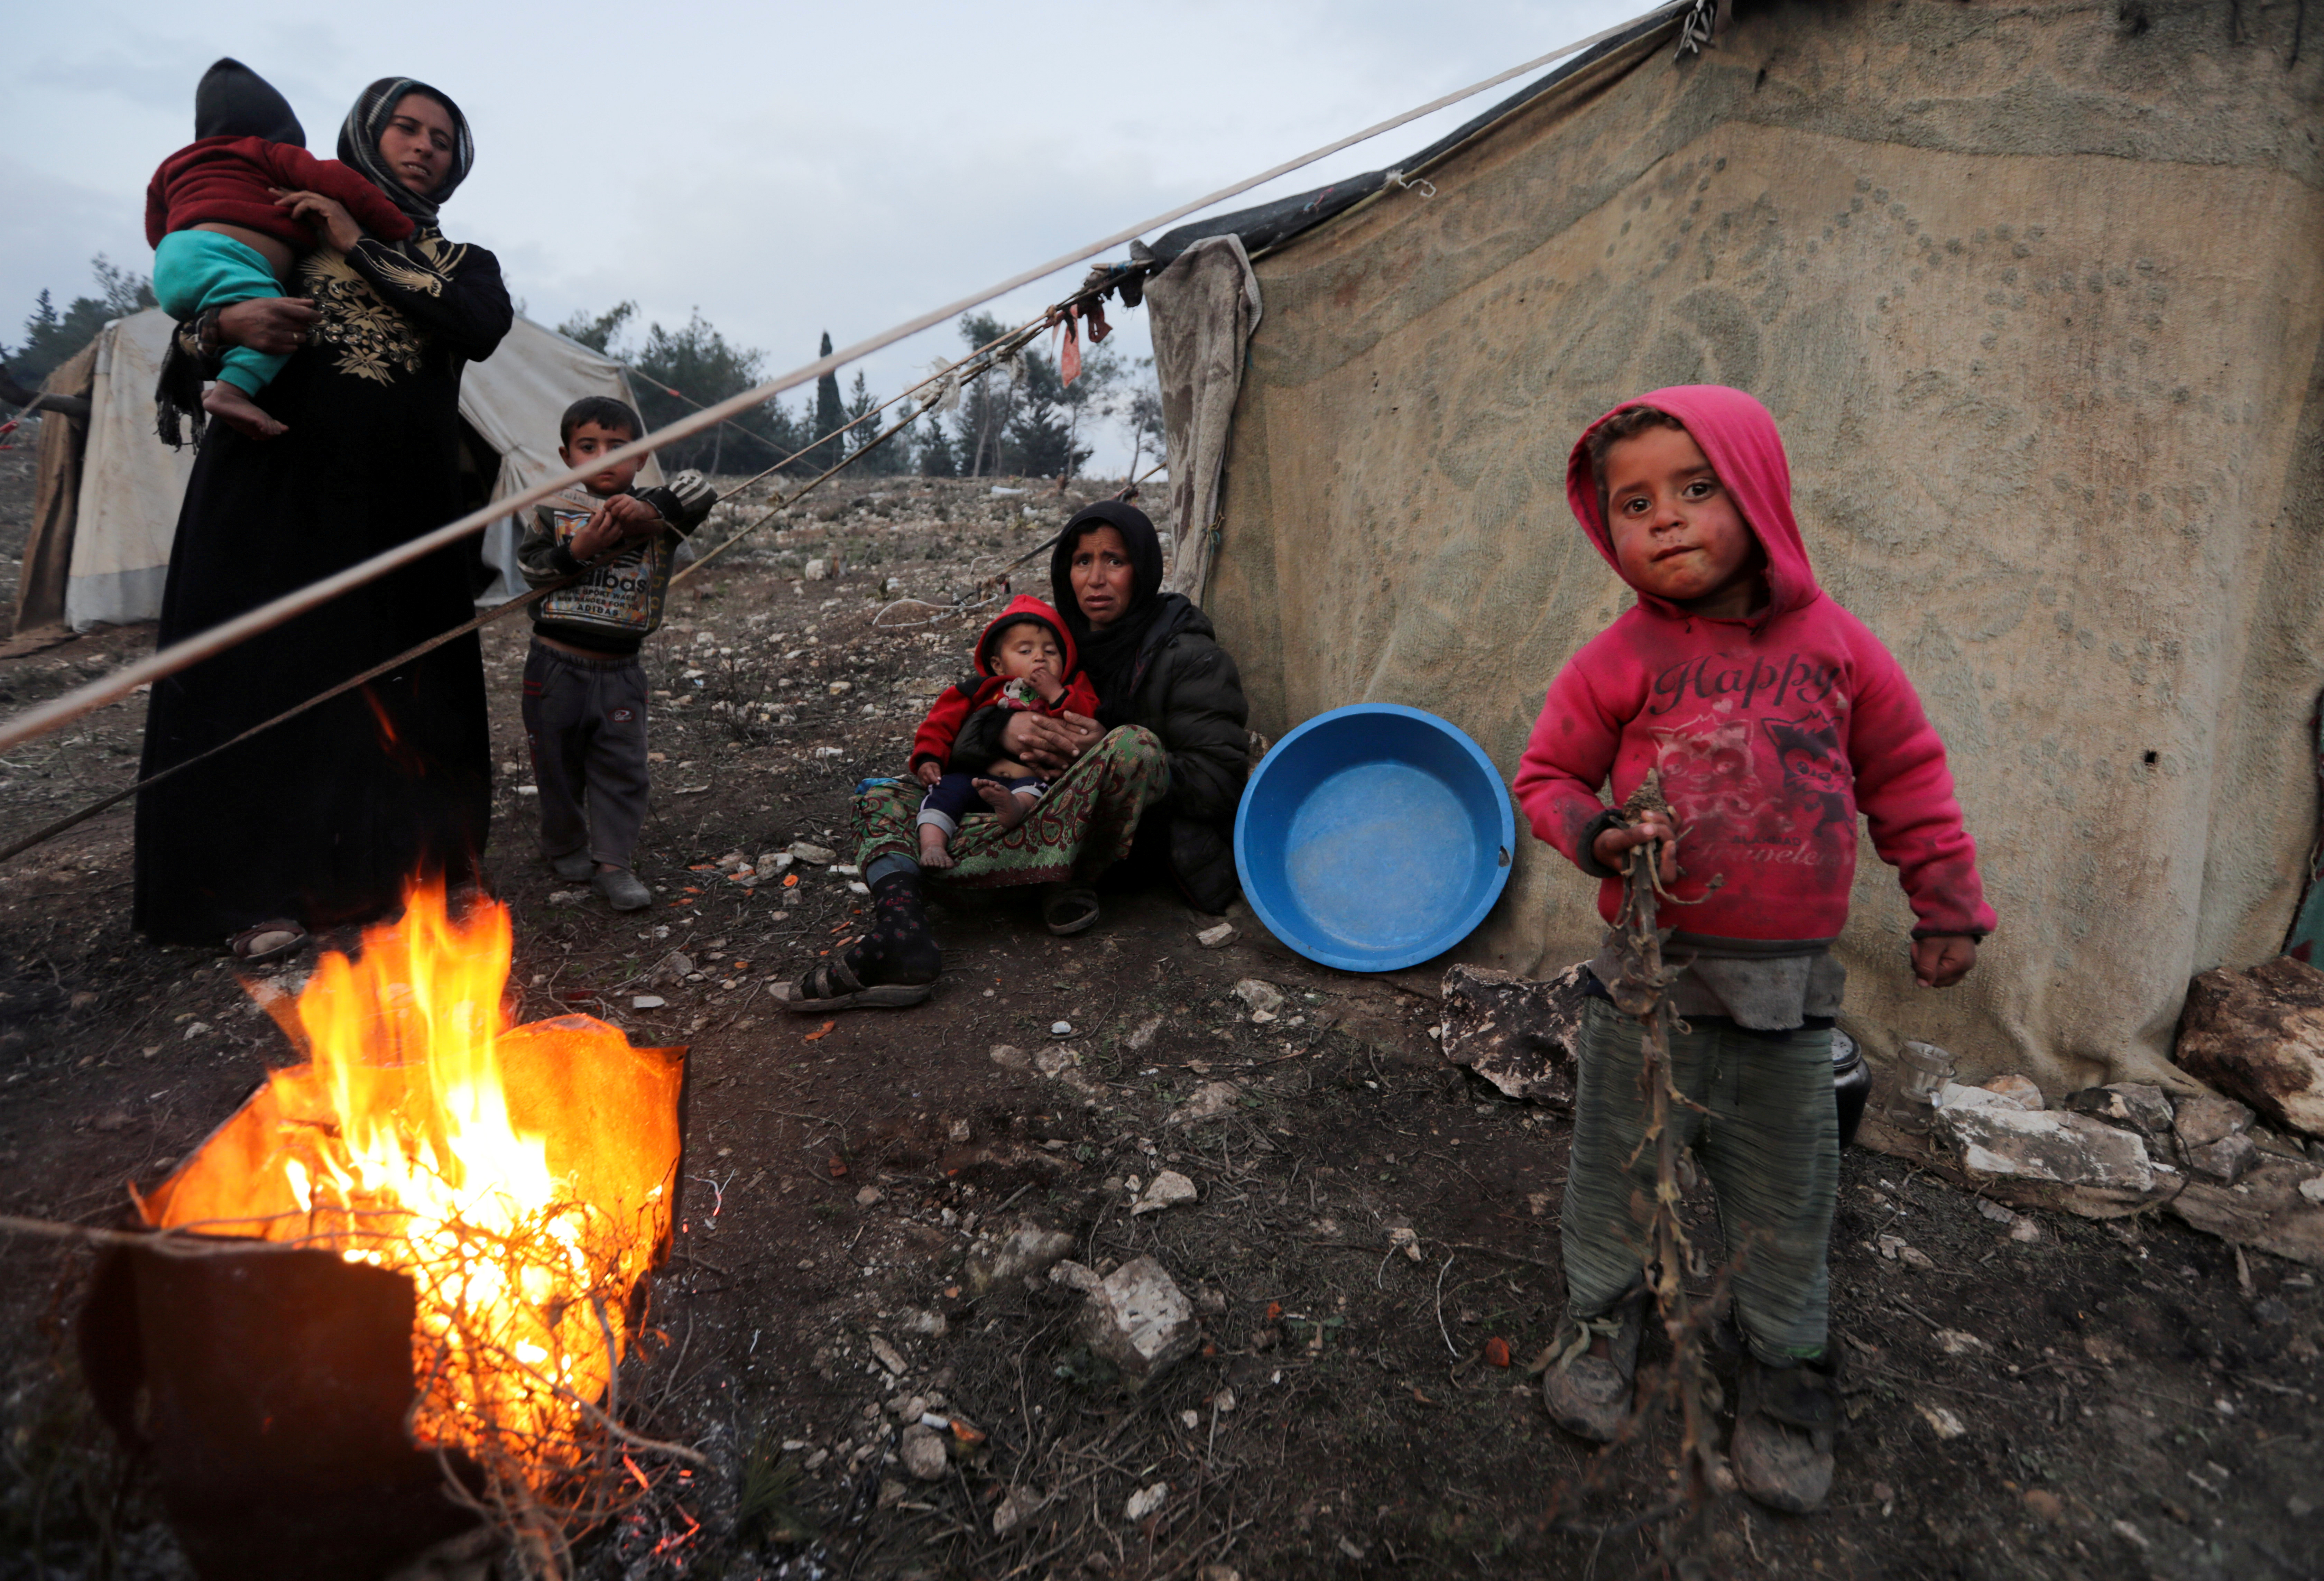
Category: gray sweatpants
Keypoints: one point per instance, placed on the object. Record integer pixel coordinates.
(1770, 1143)
(585, 720)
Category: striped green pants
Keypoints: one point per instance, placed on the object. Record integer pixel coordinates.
(1767, 1135)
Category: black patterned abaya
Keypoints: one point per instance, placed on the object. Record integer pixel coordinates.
(323, 819)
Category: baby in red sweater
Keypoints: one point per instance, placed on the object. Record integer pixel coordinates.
(1773, 717)
(227, 217)
(1023, 660)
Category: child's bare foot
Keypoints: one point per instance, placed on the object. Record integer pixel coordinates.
(935, 850)
(1008, 808)
(237, 412)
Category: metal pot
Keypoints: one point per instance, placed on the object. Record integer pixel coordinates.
(1851, 1083)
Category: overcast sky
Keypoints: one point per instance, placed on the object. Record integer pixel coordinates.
(785, 169)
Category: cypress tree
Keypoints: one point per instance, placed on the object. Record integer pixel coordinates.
(830, 412)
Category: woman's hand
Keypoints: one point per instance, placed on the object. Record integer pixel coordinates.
(325, 217)
(1047, 744)
(273, 325)
(1943, 959)
(1613, 845)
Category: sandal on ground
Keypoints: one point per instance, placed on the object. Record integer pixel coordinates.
(1587, 1388)
(833, 986)
(268, 941)
(1785, 1419)
(1069, 909)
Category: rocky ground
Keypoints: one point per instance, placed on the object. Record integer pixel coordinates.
(874, 1205)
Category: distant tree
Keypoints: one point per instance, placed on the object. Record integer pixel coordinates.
(937, 457)
(50, 337)
(829, 416)
(705, 368)
(1141, 410)
(987, 404)
(598, 333)
(892, 457)
(1095, 393)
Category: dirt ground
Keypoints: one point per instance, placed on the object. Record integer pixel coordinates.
(2101, 1401)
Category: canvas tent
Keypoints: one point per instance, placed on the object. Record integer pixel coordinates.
(2037, 293)
(107, 509)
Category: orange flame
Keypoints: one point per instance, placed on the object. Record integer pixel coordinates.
(520, 1178)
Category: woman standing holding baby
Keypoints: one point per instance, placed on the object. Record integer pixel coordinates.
(1152, 779)
(321, 821)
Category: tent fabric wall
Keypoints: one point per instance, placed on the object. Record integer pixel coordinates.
(124, 516)
(131, 482)
(2035, 295)
(1202, 308)
(56, 496)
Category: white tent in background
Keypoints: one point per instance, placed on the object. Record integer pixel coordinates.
(109, 521)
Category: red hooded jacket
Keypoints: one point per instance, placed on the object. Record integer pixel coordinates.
(934, 741)
(224, 180)
(1771, 732)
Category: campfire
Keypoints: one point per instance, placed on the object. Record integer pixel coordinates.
(521, 1178)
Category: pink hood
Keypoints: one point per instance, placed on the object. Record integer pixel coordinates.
(1739, 436)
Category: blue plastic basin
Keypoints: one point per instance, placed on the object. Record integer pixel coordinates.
(1374, 837)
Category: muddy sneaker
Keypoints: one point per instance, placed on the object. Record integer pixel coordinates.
(574, 866)
(1587, 1388)
(1784, 1422)
(622, 890)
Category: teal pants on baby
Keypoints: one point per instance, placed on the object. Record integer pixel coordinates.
(1759, 1113)
(196, 271)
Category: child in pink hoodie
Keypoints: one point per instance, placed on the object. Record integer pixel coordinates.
(1774, 717)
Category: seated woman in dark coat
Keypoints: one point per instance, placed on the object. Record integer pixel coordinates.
(1152, 780)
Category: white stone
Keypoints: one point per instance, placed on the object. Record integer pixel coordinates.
(923, 1452)
(1061, 1029)
(1258, 996)
(1138, 1319)
(1055, 1062)
(1144, 1035)
(818, 570)
(2017, 1090)
(1029, 1249)
(2312, 1188)
(1217, 938)
(1021, 1506)
(1943, 1423)
(888, 1357)
(1011, 1058)
(916, 1320)
(822, 856)
(1206, 1102)
(568, 896)
(648, 1002)
(1078, 1275)
(1146, 1501)
(1169, 1188)
(1998, 1138)
(870, 1196)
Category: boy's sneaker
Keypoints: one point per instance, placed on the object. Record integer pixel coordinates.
(576, 865)
(622, 890)
(1784, 1418)
(1587, 1388)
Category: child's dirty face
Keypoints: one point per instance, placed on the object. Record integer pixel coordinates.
(1677, 534)
(591, 440)
(1024, 648)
